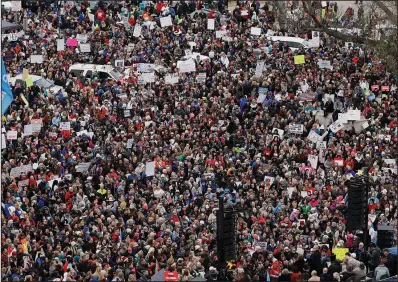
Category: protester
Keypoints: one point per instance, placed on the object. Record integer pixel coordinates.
(85, 203)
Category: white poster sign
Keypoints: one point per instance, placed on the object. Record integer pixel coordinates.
(36, 59)
(27, 130)
(129, 143)
(324, 64)
(343, 118)
(201, 77)
(259, 68)
(255, 31)
(353, 115)
(137, 30)
(171, 78)
(220, 33)
(336, 126)
(16, 6)
(146, 67)
(64, 125)
(82, 167)
(166, 21)
(210, 24)
(85, 48)
(12, 135)
(313, 159)
(60, 44)
(147, 78)
(313, 136)
(150, 169)
(187, 66)
(296, 128)
(91, 17)
(321, 145)
(119, 63)
(82, 38)
(126, 113)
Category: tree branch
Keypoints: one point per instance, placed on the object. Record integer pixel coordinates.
(386, 10)
(332, 32)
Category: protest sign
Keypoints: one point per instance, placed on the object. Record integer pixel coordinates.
(353, 115)
(261, 98)
(82, 167)
(82, 38)
(210, 24)
(119, 63)
(201, 77)
(16, 5)
(36, 59)
(259, 68)
(147, 78)
(85, 48)
(343, 117)
(321, 145)
(339, 161)
(313, 136)
(290, 191)
(150, 169)
(336, 126)
(146, 67)
(385, 88)
(126, 113)
(255, 31)
(29, 82)
(64, 125)
(71, 42)
(324, 64)
(171, 78)
(296, 128)
(129, 143)
(12, 135)
(220, 33)
(137, 30)
(313, 159)
(187, 66)
(299, 59)
(27, 130)
(165, 21)
(340, 253)
(60, 44)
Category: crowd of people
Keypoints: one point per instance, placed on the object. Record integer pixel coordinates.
(82, 204)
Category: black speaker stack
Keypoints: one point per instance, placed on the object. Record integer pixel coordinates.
(385, 237)
(226, 233)
(357, 215)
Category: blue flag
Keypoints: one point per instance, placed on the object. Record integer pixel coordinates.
(6, 94)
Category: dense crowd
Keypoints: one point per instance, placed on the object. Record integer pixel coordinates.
(81, 207)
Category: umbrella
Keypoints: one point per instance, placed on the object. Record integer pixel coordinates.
(393, 250)
(158, 276)
(8, 26)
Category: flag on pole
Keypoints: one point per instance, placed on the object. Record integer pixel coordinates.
(6, 94)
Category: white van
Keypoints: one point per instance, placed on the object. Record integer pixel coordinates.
(85, 71)
(294, 43)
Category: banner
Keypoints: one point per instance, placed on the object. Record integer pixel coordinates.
(6, 94)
